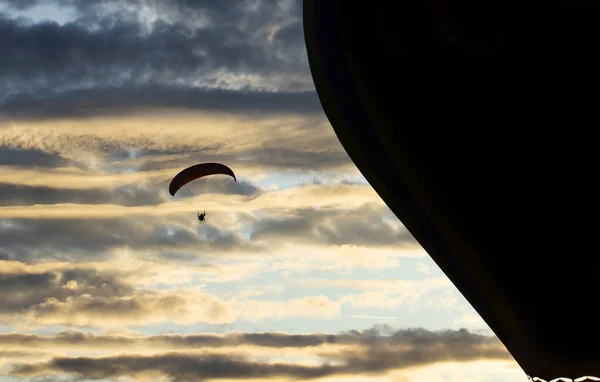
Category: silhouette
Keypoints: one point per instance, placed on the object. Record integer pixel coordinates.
(471, 120)
(196, 172)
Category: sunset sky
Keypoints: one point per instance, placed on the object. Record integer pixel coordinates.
(301, 272)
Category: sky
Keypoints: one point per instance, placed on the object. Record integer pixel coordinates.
(301, 273)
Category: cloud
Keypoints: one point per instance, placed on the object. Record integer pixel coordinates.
(114, 151)
(175, 366)
(246, 15)
(437, 293)
(81, 341)
(480, 370)
(379, 334)
(98, 239)
(322, 196)
(85, 296)
(359, 226)
(411, 297)
(241, 57)
(297, 259)
(276, 226)
(311, 306)
(140, 194)
(119, 292)
(378, 284)
(98, 295)
(31, 158)
(376, 350)
(99, 101)
(96, 116)
(155, 174)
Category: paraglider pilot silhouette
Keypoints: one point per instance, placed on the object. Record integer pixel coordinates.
(195, 172)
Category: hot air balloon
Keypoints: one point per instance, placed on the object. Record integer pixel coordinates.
(196, 172)
(473, 122)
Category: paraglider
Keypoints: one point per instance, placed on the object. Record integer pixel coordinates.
(196, 172)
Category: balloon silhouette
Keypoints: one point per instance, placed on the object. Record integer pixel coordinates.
(475, 123)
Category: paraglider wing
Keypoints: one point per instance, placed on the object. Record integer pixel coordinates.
(198, 171)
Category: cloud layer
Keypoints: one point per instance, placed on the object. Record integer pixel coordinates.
(377, 350)
(104, 275)
(243, 57)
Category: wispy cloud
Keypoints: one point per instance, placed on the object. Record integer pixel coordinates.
(376, 350)
(100, 296)
(313, 195)
(167, 140)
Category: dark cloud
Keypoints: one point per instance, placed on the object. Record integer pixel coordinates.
(231, 12)
(84, 295)
(31, 158)
(363, 226)
(377, 335)
(107, 101)
(118, 159)
(373, 352)
(26, 239)
(167, 51)
(26, 291)
(147, 152)
(22, 4)
(5, 255)
(81, 240)
(177, 367)
(130, 195)
(51, 239)
(109, 63)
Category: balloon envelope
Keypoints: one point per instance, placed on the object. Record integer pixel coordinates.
(196, 172)
(471, 120)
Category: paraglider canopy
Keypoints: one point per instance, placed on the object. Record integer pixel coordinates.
(198, 171)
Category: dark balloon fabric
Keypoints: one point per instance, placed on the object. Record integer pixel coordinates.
(471, 120)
